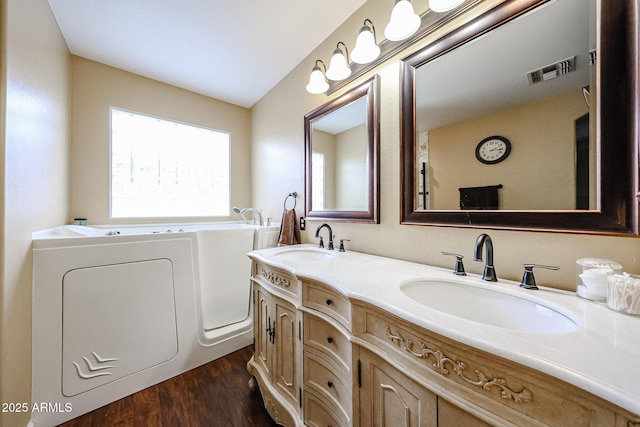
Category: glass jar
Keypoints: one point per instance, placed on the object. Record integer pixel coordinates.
(623, 293)
(591, 277)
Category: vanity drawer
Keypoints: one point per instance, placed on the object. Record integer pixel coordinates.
(281, 280)
(328, 339)
(328, 381)
(317, 414)
(320, 297)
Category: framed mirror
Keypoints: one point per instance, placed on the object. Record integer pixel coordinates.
(341, 156)
(525, 118)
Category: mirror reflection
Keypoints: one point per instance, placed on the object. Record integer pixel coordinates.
(341, 156)
(508, 120)
(339, 159)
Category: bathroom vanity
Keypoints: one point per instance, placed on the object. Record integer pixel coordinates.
(347, 339)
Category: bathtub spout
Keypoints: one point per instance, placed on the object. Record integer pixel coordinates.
(242, 212)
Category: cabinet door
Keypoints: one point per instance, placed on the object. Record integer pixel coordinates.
(285, 361)
(262, 326)
(452, 416)
(388, 398)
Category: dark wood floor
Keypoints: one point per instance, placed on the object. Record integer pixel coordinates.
(215, 394)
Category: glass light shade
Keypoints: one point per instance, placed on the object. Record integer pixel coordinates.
(366, 49)
(317, 82)
(403, 23)
(444, 5)
(338, 67)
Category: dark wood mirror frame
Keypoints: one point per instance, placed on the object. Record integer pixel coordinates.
(618, 127)
(370, 89)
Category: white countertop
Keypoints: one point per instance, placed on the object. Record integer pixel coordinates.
(602, 356)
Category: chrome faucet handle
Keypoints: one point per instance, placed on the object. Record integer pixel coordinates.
(458, 270)
(342, 244)
(528, 279)
(321, 244)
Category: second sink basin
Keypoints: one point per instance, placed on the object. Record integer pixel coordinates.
(304, 255)
(488, 306)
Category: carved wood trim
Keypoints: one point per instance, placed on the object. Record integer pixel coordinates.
(444, 365)
(275, 278)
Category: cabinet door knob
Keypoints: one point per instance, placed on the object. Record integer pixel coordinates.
(330, 384)
(329, 302)
(329, 340)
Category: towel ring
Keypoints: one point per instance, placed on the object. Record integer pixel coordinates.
(294, 195)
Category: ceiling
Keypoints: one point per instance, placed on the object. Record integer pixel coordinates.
(489, 73)
(235, 51)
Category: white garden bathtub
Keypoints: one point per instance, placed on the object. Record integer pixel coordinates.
(118, 309)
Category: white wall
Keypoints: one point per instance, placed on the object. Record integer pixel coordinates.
(34, 165)
(278, 136)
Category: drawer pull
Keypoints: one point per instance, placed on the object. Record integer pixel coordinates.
(329, 302)
(329, 340)
(329, 384)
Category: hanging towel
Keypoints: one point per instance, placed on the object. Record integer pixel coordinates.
(289, 230)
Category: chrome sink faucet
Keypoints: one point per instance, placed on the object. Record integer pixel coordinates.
(489, 271)
(321, 244)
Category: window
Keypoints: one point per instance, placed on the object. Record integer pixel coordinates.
(161, 168)
(317, 175)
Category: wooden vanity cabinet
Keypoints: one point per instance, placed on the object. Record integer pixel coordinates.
(322, 359)
(276, 362)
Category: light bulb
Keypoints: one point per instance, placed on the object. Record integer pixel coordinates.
(403, 23)
(444, 5)
(317, 82)
(338, 67)
(366, 49)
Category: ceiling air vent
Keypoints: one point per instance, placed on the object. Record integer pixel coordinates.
(552, 71)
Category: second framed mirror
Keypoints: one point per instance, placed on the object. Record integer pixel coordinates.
(341, 157)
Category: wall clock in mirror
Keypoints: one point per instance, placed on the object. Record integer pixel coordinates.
(493, 149)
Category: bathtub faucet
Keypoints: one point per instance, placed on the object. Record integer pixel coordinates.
(242, 212)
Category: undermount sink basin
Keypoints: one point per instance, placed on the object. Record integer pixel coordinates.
(305, 255)
(488, 306)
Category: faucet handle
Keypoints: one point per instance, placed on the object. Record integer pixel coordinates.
(458, 270)
(321, 244)
(342, 244)
(528, 279)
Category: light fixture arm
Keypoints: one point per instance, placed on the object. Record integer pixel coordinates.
(323, 66)
(338, 50)
(372, 27)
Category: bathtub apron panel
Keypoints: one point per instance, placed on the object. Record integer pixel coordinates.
(117, 320)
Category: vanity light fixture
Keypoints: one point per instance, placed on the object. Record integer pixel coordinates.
(404, 21)
(444, 5)
(366, 49)
(317, 81)
(339, 65)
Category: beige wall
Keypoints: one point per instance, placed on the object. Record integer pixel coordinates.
(35, 182)
(96, 88)
(351, 169)
(278, 134)
(538, 174)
